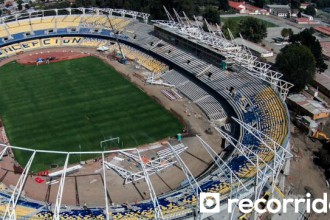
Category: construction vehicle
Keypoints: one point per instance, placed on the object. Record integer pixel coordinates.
(122, 58)
(311, 127)
(319, 135)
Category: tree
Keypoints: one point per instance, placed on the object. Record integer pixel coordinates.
(223, 5)
(295, 4)
(297, 64)
(212, 15)
(290, 31)
(310, 10)
(19, 5)
(306, 38)
(299, 14)
(261, 3)
(252, 29)
(232, 25)
(285, 32)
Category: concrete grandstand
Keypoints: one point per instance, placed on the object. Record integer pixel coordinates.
(244, 103)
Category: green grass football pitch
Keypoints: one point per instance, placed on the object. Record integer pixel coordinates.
(240, 18)
(75, 103)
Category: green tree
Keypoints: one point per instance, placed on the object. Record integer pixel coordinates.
(297, 64)
(295, 4)
(310, 10)
(212, 15)
(223, 5)
(306, 38)
(232, 25)
(252, 29)
(290, 31)
(19, 5)
(285, 32)
(260, 3)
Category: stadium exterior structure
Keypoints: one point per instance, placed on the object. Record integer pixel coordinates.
(256, 151)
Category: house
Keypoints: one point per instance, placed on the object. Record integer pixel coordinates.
(302, 20)
(279, 10)
(245, 8)
(306, 19)
(294, 12)
(325, 49)
(304, 5)
(323, 30)
(307, 105)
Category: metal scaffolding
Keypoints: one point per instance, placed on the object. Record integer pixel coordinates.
(222, 165)
(10, 212)
(58, 202)
(153, 195)
(281, 154)
(240, 55)
(105, 188)
(152, 166)
(266, 171)
(70, 11)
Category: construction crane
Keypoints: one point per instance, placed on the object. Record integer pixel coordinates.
(123, 58)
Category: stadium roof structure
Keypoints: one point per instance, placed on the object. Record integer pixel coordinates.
(254, 47)
(230, 49)
(224, 169)
(97, 11)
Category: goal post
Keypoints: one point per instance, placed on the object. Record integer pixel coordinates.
(110, 142)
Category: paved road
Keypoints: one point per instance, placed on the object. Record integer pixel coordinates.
(281, 22)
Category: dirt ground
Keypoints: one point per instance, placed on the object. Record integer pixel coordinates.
(305, 176)
(30, 58)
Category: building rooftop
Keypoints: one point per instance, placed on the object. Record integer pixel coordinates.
(279, 6)
(235, 5)
(302, 20)
(309, 104)
(323, 30)
(325, 48)
(281, 10)
(240, 5)
(253, 46)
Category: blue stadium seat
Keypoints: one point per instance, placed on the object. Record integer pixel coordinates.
(19, 36)
(39, 32)
(62, 31)
(84, 30)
